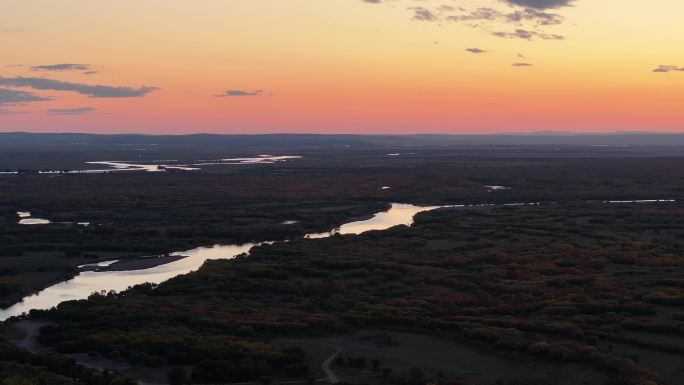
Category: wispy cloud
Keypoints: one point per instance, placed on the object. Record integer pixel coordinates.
(476, 50)
(13, 98)
(423, 14)
(93, 91)
(530, 17)
(541, 4)
(521, 64)
(478, 14)
(71, 111)
(62, 67)
(665, 68)
(528, 35)
(536, 16)
(240, 93)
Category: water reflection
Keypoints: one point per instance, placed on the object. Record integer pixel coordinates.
(25, 218)
(165, 165)
(496, 188)
(398, 214)
(81, 286)
(88, 282)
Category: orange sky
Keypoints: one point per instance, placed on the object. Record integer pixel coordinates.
(327, 66)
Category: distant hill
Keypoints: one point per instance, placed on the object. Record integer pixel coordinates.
(294, 141)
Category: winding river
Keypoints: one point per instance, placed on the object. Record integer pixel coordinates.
(88, 282)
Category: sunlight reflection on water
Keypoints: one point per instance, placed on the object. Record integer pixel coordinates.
(88, 282)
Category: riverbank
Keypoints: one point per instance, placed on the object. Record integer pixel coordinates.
(43, 256)
(126, 273)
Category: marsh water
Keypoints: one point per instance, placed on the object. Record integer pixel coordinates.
(88, 282)
(165, 165)
(25, 218)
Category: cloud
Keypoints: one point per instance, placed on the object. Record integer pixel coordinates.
(528, 35)
(522, 64)
(530, 17)
(14, 97)
(476, 50)
(479, 14)
(423, 14)
(665, 68)
(93, 91)
(71, 111)
(539, 17)
(536, 17)
(540, 4)
(62, 67)
(10, 98)
(230, 93)
(528, 21)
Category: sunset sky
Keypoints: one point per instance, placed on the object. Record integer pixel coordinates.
(332, 66)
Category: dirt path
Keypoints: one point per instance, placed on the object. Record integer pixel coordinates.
(325, 365)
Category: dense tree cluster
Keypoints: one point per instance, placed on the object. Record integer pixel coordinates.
(563, 282)
(147, 213)
(566, 281)
(19, 367)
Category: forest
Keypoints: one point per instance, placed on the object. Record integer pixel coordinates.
(572, 281)
(576, 283)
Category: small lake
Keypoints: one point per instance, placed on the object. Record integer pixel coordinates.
(88, 282)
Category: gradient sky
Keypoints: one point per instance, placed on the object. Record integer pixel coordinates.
(330, 66)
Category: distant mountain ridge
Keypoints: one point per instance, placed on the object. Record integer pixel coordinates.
(346, 140)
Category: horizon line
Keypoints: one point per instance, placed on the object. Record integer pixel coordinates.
(504, 133)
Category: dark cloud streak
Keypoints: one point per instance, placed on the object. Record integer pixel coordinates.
(528, 35)
(93, 91)
(665, 69)
(14, 97)
(62, 67)
(423, 14)
(71, 111)
(238, 93)
(540, 4)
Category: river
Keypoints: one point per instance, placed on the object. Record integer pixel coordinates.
(88, 282)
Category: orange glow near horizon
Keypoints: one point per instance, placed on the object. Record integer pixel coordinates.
(332, 66)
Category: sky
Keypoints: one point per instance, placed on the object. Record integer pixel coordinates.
(341, 66)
